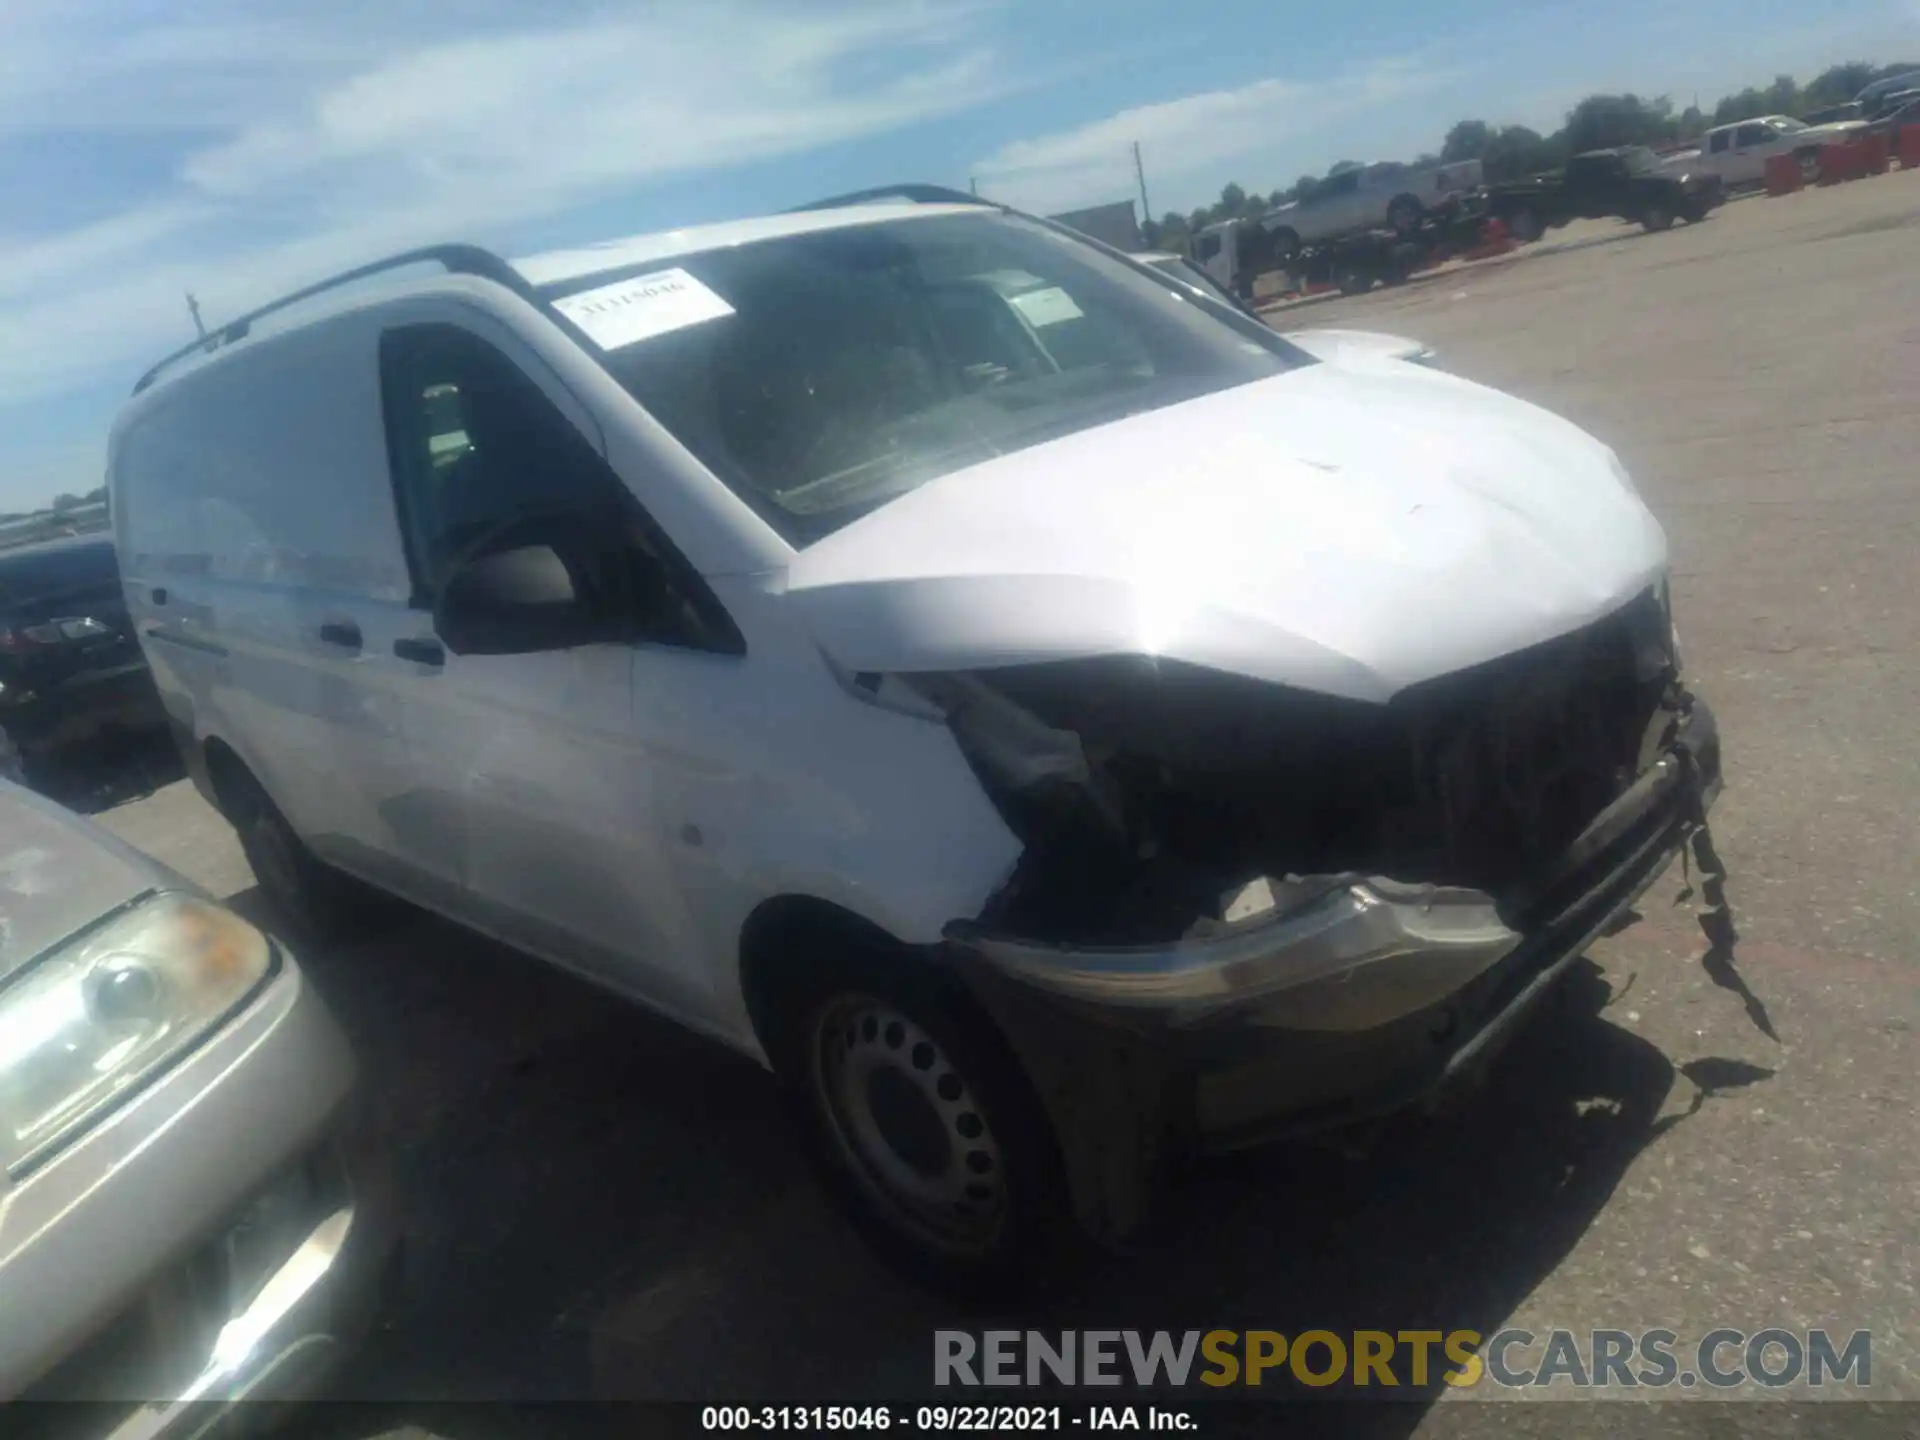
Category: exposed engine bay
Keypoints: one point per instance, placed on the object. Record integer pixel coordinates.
(1154, 796)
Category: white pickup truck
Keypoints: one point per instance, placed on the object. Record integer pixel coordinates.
(1738, 153)
(1374, 197)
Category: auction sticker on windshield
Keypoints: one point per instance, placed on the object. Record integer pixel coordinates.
(629, 311)
(1047, 307)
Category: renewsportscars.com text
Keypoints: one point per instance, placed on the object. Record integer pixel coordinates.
(1385, 1360)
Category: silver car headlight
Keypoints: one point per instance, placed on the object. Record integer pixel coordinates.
(87, 1023)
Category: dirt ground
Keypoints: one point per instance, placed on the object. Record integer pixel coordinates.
(600, 1206)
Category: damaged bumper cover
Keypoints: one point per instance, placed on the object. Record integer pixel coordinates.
(1351, 997)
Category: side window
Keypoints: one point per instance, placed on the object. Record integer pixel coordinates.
(1347, 182)
(1717, 142)
(1752, 135)
(476, 446)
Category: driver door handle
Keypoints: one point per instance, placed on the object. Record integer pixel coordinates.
(421, 652)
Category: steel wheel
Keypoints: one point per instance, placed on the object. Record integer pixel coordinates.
(907, 1127)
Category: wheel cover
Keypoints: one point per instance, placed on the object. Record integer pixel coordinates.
(908, 1126)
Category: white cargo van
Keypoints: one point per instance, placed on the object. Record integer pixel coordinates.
(1055, 722)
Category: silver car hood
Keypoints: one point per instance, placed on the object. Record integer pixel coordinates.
(58, 874)
(1349, 529)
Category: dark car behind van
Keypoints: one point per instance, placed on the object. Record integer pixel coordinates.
(71, 671)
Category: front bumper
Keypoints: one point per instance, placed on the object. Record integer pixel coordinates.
(1352, 1000)
(214, 1241)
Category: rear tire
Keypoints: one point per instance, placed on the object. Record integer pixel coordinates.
(922, 1122)
(314, 903)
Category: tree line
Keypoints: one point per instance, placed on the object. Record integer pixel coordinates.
(1509, 152)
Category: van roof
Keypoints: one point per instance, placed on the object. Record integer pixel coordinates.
(557, 267)
(532, 274)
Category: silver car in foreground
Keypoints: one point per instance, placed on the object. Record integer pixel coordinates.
(180, 1224)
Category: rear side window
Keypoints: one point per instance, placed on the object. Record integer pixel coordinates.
(1717, 142)
(266, 468)
(1753, 135)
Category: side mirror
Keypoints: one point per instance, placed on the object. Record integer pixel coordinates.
(516, 598)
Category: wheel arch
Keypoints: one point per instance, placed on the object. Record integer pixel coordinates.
(774, 941)
(232, 781)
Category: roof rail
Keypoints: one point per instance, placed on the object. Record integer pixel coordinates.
(458, 260)
(915, 193)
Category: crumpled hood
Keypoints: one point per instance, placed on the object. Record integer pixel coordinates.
(1348, 529)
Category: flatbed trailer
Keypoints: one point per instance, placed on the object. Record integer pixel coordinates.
(1356, 263)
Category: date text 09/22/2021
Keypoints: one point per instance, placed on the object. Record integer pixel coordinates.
(945, 1419)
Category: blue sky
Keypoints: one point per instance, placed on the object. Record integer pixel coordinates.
(151, 147)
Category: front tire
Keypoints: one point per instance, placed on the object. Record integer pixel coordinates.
(1524, 225)
(1656, 217)
(923, 1124)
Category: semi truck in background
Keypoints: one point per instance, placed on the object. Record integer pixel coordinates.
(1113, 225)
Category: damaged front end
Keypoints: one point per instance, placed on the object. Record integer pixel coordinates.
(1297, 909)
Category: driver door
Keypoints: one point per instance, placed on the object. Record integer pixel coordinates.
(529, 772)
(1752, 144)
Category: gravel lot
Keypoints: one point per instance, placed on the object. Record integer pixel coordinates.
(600, 1206)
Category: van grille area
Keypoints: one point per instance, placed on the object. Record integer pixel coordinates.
(1480, 778)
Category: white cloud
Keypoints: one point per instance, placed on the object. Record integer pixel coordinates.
(332, 150)
(1188, 142)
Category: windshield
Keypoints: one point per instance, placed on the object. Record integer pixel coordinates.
(821, 375)
(1642, 161)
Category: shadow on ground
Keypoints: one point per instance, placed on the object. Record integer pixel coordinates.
(116, 771)
(599, 1205)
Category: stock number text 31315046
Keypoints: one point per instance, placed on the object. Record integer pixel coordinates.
(919, 1419)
